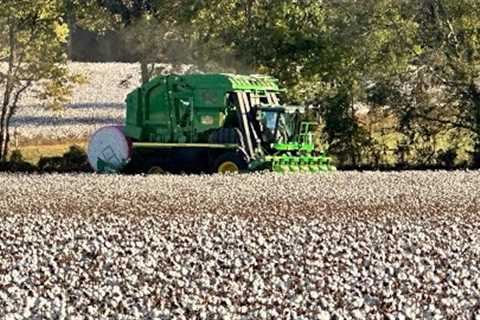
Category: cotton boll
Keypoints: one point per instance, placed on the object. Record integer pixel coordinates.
(187, 246)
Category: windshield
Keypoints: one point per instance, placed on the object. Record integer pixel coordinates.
(277, 126)
(270, 120)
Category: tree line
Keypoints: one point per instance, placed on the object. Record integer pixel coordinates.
(396, 82)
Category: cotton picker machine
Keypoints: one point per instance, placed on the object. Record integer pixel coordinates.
(208, 123)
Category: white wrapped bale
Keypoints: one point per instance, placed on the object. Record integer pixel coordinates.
(109, 150)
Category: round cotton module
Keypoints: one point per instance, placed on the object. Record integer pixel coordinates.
(109, 150)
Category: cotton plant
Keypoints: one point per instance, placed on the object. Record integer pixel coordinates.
(251, 246)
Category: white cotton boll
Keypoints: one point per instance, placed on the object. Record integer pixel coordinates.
(314, 295)
(402, 276)
(358, 302)
(323, 315)
(237, 263)
(129, 248)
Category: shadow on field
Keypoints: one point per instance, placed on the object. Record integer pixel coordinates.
(75, 161)
(39, 121)
(101, 105)
(72, 161)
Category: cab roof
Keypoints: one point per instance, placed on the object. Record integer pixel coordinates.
(225, 81)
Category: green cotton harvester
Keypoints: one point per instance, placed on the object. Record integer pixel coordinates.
(208, 123)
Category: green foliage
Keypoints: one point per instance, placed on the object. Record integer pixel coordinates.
(74, 160)
(440, 89)
(447, 158)
(32, 41)
(50, 164)
(16, 156)
(314, 49)
(16, 163)
(154, 30)
(347, 140)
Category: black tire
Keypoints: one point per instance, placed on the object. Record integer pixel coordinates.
(143, 164)
(233, 162)
(153, 166)
(136, 164)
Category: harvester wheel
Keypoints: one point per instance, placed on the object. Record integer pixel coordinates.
(156, 170)
(230, 162)
(153, 166)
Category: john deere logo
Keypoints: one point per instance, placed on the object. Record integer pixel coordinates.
(207, 120)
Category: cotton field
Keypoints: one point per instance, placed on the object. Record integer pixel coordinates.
(258, 246)
(99, 102)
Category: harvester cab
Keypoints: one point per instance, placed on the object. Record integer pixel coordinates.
(209, 123)
(273, 124)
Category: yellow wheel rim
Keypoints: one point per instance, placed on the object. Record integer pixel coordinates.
(228, 166)
(156, 170)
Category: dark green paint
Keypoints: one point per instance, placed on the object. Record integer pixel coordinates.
(178, 109)
(175, 112)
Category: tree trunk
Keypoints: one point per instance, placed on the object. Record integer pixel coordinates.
(147, 70)
(475, 98)
(7, 131)
(11, 112)
(3, 115)
(249, 27)
(8, 89)
(71, 19)
(72, 28)
(353, 147)
(144, 70)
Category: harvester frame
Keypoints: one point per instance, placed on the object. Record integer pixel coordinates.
(212, 123)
